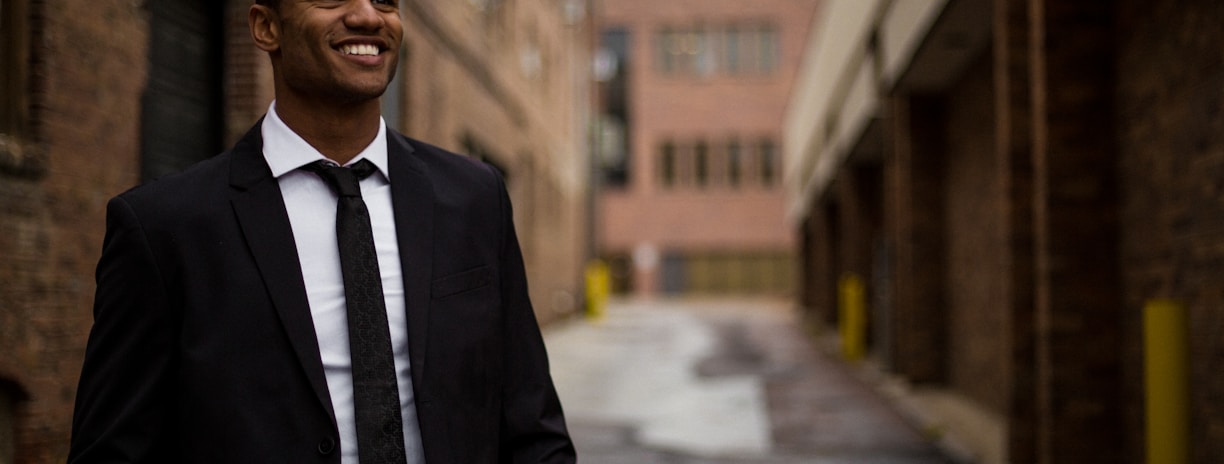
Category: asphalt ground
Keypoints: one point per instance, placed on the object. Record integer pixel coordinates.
(722, 382)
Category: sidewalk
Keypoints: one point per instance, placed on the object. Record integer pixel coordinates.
(718, 382)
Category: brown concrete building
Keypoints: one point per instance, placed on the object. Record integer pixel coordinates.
(1017, 181)
(96, 96)
(691, 201)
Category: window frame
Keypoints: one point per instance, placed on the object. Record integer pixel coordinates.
(701, 164)
(767, 162)
(735, 159)
(18, 155)
(668, 163)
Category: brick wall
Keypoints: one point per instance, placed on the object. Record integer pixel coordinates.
(465, 88)
(248, 74)
(914, 213)
(1100, 127)
(1171, 147)
(88, 69)
(974, 227)
(1077, 302)
(825, 267)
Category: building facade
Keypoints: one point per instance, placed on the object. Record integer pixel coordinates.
(689, 143)
(1018, 182)
(98, 96)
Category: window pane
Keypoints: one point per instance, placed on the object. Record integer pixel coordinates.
(732, 58)
(706, 53)
(749, 46)
(733, 163)
(769, 50)
(667, 164)
(768, 163)
(690, 45)
(701, 164)
(665, 56)
(12, 66)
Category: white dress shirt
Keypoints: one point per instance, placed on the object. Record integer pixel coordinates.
(311, 205)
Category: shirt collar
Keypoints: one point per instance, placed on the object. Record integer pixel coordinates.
(286, 151)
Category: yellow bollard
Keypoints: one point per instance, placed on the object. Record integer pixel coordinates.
(598, 287)
(1167, 378)
(852, 316)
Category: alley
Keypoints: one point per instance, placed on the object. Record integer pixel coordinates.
(718, 382)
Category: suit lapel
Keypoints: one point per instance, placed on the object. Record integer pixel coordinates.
(412, 198)
(261, 214)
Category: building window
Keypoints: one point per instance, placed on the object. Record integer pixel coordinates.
(701, 164)
(735, 49)
(182, 119)
(14, 88)
(13, 52)
(677, 50)
(667, 164)
(730, 49)
(706, 53)
(666, 51)
(613, 75)
(734, 172)
(733, 55)
(768, 162)
(767, 54)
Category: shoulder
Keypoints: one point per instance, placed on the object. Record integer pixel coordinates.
(198, 186)
(446, 168)
(209, 180)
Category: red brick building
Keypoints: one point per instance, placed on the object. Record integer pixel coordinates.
(1016, 180)
(693, 100)
(96, 96)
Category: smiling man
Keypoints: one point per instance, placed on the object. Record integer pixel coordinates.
(326, 291)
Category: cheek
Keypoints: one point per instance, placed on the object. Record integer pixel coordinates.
(395, 27)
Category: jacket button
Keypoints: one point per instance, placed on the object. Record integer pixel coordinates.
(326, 446)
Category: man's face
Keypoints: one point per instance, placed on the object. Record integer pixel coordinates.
(341, 50)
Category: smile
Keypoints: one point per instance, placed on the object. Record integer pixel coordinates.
(359, 49)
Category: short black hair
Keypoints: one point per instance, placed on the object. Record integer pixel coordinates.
(274, 4)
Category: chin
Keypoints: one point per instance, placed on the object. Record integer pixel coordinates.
(358, 94)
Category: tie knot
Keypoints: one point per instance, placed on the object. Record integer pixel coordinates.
(344, 180)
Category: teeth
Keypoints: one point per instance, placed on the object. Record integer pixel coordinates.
(359, 49)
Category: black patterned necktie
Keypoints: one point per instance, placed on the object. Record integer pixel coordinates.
(380, 436)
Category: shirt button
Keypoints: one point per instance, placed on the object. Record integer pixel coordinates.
(326, 446)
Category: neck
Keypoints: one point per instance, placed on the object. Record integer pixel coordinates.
(338, 131)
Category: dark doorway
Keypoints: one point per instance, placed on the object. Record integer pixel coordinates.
(182, 119)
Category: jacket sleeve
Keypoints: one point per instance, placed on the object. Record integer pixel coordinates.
(123, 399)
(533, 425)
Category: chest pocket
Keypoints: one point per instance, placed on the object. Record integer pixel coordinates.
(461, 282)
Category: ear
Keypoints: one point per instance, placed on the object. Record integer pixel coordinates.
(265, 28)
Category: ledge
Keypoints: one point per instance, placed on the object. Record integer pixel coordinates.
(21, 159)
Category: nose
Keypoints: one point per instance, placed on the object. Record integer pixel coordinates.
(362, 15)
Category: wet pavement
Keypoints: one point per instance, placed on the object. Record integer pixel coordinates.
(680, 382)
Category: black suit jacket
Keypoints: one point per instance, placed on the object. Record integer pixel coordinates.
(203, 349)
